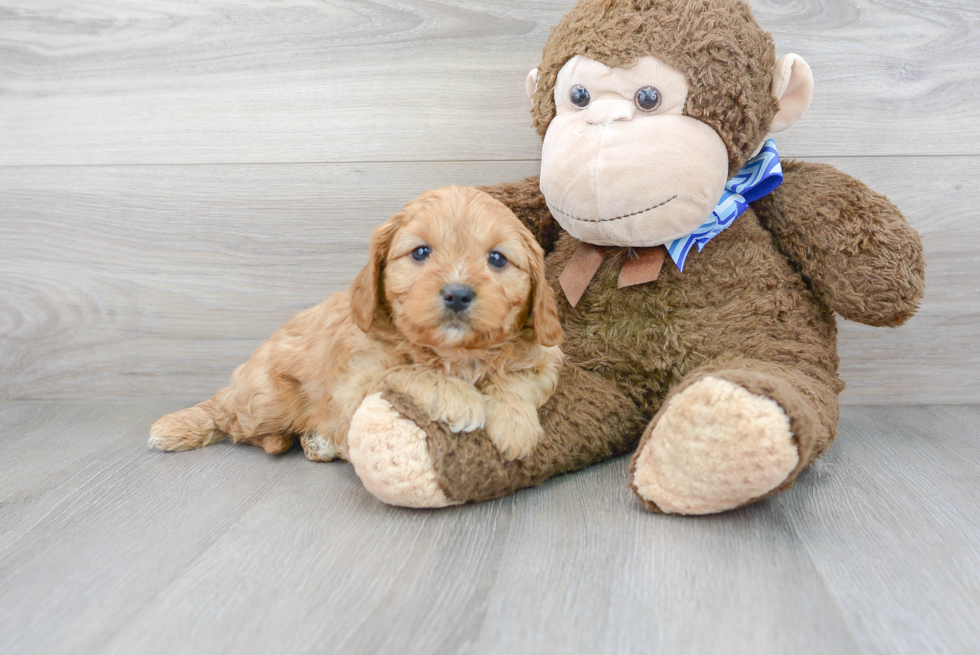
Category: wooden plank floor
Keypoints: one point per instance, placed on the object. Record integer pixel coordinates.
(108, 547)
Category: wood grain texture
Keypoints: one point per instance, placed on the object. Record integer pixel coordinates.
(39, 470)
(114, 535)
(226, 549)
(891, 520)
(210, 81)
(157, 281)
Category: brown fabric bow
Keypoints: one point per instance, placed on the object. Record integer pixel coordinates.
(642, 265)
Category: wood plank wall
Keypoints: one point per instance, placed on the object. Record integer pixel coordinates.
(178, 177)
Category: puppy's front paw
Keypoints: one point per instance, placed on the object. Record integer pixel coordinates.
(514, 430)
(463, 413)
(451, 401)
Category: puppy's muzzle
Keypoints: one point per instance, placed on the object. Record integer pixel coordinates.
(457, 297)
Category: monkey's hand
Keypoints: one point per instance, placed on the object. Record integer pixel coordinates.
(860, 254)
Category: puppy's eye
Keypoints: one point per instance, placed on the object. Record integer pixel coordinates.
(647, 98)
(580, 96)
(421, 253)
(496, 260)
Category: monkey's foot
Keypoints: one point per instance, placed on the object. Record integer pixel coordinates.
(715, 447)
(390, 455)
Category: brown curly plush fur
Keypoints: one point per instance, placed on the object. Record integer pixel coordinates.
(863, 259)
(755, 307)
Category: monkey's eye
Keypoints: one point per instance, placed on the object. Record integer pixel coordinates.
(647, 98)
(421, 253)
(580, 96)
(496, 260)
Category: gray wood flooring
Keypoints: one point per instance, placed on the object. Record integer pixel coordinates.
(108, 547)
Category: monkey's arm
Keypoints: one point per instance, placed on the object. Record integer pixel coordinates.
(859, 253)
(525, 199)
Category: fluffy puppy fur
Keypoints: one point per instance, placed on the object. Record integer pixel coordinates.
(489, 364)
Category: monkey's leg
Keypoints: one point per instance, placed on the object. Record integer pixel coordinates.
(405, 459)
(732, 434)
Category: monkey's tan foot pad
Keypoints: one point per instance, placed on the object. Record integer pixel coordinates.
(715, 447)
(391, 457)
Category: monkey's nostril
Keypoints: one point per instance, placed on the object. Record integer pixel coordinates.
(457, 297)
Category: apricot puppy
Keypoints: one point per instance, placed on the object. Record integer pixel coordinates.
(452, 309)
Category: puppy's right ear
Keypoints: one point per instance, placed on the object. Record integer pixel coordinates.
(366, 293)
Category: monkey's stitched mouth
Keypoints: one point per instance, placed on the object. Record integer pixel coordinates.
(615, 218)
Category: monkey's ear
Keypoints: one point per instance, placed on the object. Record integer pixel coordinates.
(792, 86)
(366, 295)
(531, 83)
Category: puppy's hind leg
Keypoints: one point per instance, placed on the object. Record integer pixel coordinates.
(187, 429)
(252, 409)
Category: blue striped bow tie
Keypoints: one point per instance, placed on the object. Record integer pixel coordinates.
(758, 178)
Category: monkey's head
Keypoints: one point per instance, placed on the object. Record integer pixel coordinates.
(648, 107)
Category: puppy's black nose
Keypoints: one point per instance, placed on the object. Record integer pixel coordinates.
(457, 297)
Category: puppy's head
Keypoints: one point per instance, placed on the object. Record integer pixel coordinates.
(456, 269)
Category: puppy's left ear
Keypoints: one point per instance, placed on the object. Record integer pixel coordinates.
(544, 310)
(366, 292)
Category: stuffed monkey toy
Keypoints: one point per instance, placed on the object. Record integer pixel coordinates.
(697, 275)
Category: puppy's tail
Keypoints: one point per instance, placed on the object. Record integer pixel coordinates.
(187, 429)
